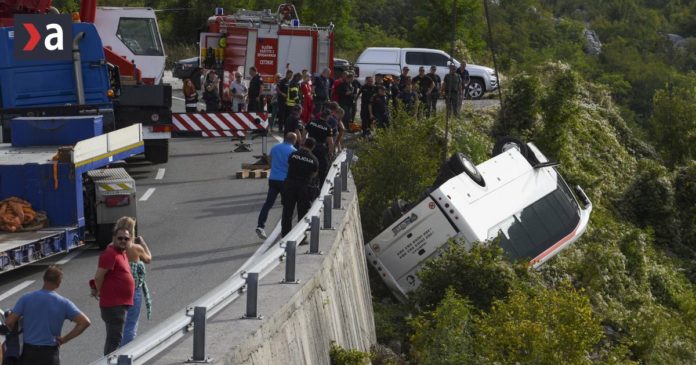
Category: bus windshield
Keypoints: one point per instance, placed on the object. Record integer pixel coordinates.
(539, 226)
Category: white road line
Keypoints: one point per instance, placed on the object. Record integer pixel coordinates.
(177, 98)
(278, 138)
(17, 288)
(147, 194)
(160, 174)
(69, 257)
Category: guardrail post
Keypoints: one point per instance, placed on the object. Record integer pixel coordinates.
(314, 236)
(199, 336)
(327, 212)
(252, 282)
(349, 157)
(344, 176)
(124, 360)
(290, 255)
(337, 192)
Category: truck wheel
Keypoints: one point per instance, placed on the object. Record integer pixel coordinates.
(104, 234)
(157, 150)
(476, 89)
(460, 162)
(507, 143)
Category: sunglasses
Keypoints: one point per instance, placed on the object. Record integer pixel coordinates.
(123, 238)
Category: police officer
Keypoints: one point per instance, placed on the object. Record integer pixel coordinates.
(321, 131)
(255, 85)
(452, 91)
(435, 91)
(299, 190)
(282, 90)
(366, 92)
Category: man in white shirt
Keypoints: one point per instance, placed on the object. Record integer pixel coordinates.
(239, 93)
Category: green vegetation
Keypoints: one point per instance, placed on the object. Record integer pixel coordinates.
(624, 293)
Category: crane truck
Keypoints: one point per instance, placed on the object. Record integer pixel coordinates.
(57, 116)
(133, 52)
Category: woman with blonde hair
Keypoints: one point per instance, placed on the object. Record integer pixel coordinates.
(138, 255)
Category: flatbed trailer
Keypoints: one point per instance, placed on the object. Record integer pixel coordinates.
(57, 186)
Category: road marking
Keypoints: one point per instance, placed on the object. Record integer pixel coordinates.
(278, 138)
(147, 194)
(17, 288)
(69, 257)
(177, 98)
(160, 174)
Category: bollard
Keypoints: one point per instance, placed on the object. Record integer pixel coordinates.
(337, 192)
(124, 360)
(252, 283)
(349, 157)
(290, 255)
(344, 176)
(314, 236)
(327, 212)
(199, 337)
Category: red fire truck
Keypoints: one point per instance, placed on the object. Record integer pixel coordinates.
(272, 41)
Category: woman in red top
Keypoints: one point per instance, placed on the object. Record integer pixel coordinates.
(307, 101)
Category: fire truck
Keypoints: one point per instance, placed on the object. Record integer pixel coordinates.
(133, 51)
(273, 42)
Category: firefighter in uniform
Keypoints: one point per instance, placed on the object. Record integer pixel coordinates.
(255, 85)
(299, 189)
(321, 131)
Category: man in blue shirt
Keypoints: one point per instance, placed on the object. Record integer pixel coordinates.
(43, 312)
(279, 172)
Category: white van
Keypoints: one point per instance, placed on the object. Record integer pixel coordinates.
(390, 61)
(518, 195)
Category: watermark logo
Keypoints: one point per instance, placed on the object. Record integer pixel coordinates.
(44, 37)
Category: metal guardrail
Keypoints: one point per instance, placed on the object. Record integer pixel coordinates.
(265, 259)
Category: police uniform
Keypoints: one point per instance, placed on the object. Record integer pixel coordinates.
(322, 132)
(366, 92)
(302, 166)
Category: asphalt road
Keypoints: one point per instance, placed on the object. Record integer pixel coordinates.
(198, 221)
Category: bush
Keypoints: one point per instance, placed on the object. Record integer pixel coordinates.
(521, 111)
(480, 274)
(673, 124)
(341, 356)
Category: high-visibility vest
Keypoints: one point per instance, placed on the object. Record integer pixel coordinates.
(293, 95)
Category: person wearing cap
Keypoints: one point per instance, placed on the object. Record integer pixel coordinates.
(434, 92)
(321, 131)
(452, 91)
(404, 78)
(422, 86)
(345, 93)
(365, 93)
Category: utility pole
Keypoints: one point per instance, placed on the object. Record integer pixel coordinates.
(447, 114)
(491, 44)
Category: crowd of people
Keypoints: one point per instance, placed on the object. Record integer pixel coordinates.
(375, 98)
(119, 286)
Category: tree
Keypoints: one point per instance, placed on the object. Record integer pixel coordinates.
(542, 326)
(673, 125)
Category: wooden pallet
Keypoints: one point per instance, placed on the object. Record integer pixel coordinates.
(252, 174)
(251, 166)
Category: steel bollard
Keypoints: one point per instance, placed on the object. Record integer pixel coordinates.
(314, 236)
(199, 337)
(337, 193)
(344, 176)
(327, 212)
(349, 157)
(252, 283)
(124, 360)
(290, 256)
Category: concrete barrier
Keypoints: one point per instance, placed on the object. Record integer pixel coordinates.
(332, 302)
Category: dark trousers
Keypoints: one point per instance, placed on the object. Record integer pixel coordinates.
(296, 194)
(348, 109)
(365, 118)
(254, 104)
(114, 318)
(319, 104)
(282, 114)
(275, 187)
(322, 153)
(40, 355)
(432, 99)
